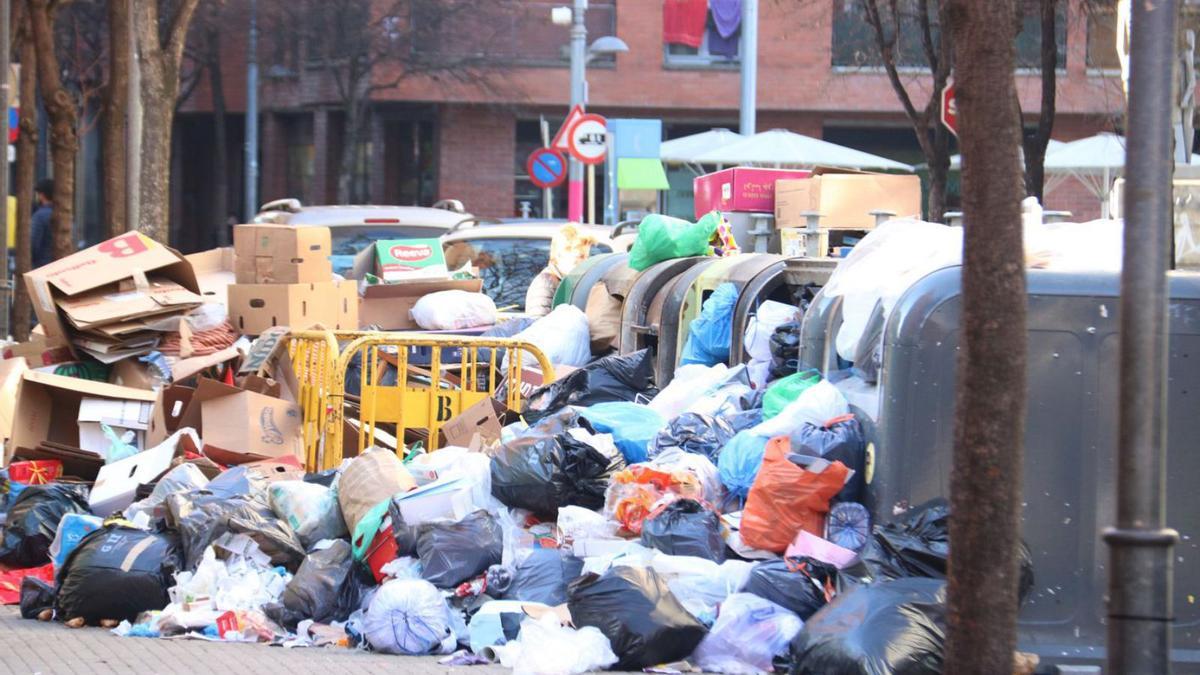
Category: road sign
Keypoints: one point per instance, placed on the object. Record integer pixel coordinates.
(949, 109)
(587, 139)
(546, 168)
(14, 118)
(564, 132)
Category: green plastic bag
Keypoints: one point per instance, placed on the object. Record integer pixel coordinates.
(784, 391)
(662, 238)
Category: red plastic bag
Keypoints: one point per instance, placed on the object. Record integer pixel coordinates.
(10, 581)
(786, 498)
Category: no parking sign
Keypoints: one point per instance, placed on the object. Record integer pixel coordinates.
(546, 168)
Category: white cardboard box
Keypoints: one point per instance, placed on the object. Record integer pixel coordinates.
(120, 415)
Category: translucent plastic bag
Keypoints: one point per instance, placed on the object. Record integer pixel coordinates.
(408, 616)
(690, 384)
(454, 310)
(675, 459)
(545, 646)
(747, 636)
(632, 426)
(784, 391)
(816, 405)
(662, 238)
(312, 510)
(739, 462)
(562, 335)
(180, 479)
(710, 334)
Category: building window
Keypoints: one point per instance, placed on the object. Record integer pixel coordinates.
(301, 156)
(1102, 31)
(712, 50)
(855, 44)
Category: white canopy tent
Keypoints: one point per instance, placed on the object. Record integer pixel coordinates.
(781, 148)
(684, 150)
(1052, 146)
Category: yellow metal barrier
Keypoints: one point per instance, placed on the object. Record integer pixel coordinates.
(313, 357)
(417, 382)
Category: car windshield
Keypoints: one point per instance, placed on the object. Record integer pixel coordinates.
(506, 265)
(348, 240)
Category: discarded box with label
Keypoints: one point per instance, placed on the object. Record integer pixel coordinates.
(120, 416)
(794, 243)
(254, 308)
(742, 188)
(239, 426)
(845, 199)
(281, 254)
(394, 260)
(387, 306)
(100, 285)
(48, 408)
(485, 419)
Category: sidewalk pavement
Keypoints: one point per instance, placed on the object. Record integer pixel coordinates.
(28, 647)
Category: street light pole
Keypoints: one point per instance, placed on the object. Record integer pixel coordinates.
(749, 67)
(251, 205)
(5, 99)
(578, 97)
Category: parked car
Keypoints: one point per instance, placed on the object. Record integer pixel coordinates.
(509, 253)
(355, 227)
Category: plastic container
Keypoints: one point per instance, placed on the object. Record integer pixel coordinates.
(383, 549)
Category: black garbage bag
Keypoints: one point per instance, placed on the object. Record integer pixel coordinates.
(685, 527)
(751, 417)
(642, 619)
(620, 377)
(802, 585)
(896, 626)
(918, 545)
(543, 577)
(452, 553)
(543, 473)
(117, 572)
(695, 433)
(33, 520)
(785, 350)
(36, 596)
(841, 439)
(328, 587)
(201, 518)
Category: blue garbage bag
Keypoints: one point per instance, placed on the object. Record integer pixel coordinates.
(710, 334)
(632, 425)
(739, 462)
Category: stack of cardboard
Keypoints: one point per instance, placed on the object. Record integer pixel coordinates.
(101, 301)
(284, 278)
(845, 200)
(394, 274)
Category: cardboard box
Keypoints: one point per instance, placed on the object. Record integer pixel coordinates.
(448, 498)
(281, 254)
(39, 351)
(119, 415)
(36, 471)
(387, 306)
(253, 308)
(169, 407)
(48, 406)
(793, 243)
(394, 260)
(486, 418)
(844, 199)
(742, 188)
(11, 371)
(239, 426)
(117, 483)
(129, 257)
(214, 271)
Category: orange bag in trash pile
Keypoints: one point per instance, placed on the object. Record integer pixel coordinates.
(638, 490)
(786, 498)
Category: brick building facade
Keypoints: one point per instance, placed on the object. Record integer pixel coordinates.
(434, 137)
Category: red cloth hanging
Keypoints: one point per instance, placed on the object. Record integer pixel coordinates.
(683, 22)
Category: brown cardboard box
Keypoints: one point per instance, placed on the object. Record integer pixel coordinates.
(214, 271)
(253, 308)
(281, 254)
(47, 407)
(11, 371)
(845, 199)
(128, 257)
(39, 350)
(486, 418)
(386, 306)
(169, 409)
(242, 426)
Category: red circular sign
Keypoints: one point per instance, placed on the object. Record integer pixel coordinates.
(586, 139)
(546, 168)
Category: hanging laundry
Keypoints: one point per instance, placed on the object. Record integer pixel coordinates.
(724, 32)
(684, 21)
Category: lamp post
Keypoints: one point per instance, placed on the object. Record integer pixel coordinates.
(580, 55)
(251, 177)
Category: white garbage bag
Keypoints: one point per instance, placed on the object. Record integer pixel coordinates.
(770, 315)
(562, 335)
(453, 310)
(546, 647)
(816, 405)
(408, 616)
(690, 384)
(747, 635)
(311, 509)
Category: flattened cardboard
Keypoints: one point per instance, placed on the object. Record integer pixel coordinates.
(282, 254)
(486, 418)
(274, 470)
(254, 308)
(47, 408)
(101, 265)
(126, 302)
(845, 199)
(11, 371)
(214, 271)
(387, 306)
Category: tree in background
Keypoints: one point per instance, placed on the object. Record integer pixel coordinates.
(985, 481)
(116, 102)
(160, 39)
(27, 138)
(61, 109)
(1034, 145)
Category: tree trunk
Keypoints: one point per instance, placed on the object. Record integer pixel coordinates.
(63, 141)
(938, 162)
(985, 484)
(348, 160)
(23, 183)
(1035, 146)
(116, 99)
(220, 151)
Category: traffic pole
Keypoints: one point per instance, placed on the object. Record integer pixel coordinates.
(578, 88)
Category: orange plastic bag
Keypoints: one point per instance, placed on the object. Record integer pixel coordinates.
(786, 498)
(638, 490)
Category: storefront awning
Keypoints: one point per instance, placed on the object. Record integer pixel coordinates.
(641, 174)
